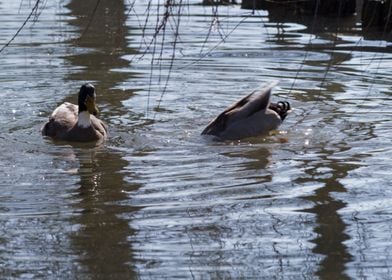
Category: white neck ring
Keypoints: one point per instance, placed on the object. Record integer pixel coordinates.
(84, 119)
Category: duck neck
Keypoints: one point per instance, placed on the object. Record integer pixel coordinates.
(84, 119)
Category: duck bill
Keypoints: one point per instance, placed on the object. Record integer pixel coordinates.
(91, 106)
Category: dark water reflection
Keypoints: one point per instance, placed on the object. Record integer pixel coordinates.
(100, 44)
(331, 228)
(102, 240)
(158, 201)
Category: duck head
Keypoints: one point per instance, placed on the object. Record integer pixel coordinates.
(86, 99)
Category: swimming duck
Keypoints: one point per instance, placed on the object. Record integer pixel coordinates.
(253, 115)
(77, 123)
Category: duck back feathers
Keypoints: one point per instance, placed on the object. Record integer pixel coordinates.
(63, 125)
(250, 116)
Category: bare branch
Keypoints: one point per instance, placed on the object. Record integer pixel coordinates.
(33, 11)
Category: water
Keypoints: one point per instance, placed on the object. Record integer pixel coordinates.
(160, 201)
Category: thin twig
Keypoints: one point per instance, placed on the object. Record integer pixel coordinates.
(33, 10)
(216, 45)
(172, 58)
(90, 20)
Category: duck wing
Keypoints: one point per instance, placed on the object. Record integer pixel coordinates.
(99, 126)
(257, 101)
(63, 118)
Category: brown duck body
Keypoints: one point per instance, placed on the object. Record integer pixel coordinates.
(65, 124)
(253, 115)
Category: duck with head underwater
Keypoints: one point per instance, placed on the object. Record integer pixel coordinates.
(252, 115)
(77, 123)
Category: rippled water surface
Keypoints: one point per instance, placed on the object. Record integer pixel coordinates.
(158, 201)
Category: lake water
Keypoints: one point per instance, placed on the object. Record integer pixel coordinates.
(158, 201)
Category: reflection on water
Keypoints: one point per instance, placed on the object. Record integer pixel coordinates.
(101, 42)
(102, 240)
(331, 228)
(160, 201)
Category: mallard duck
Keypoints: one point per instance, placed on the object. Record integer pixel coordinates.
(253, 115)
(75, 123)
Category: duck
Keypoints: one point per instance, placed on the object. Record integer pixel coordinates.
(77, 123)
(251, 116)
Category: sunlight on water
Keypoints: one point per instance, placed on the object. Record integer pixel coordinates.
(158, 200)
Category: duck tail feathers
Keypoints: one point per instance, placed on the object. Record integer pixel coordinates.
(268, 86)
